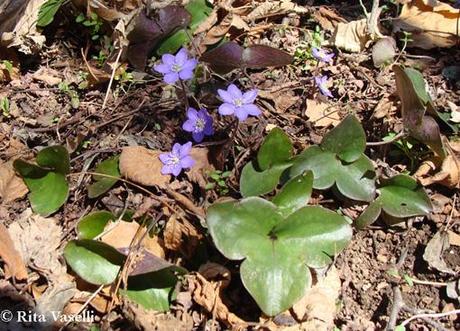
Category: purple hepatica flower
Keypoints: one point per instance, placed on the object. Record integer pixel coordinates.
(177, 159)
(199, 123)
(456, 5)
(321, 55)
(176, 67)
(321, 83)
(238, 103)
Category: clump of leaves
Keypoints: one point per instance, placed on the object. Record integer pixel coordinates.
(151, 283)
(399, 197)
(218, 181)
(46, 180)
(277, 240)
(411, 88)
(93, 22)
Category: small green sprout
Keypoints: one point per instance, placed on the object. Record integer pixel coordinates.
(5, 106)
(218, 182)
(93, 23)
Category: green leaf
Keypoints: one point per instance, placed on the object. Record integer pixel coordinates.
(103, 183)
(347, 139)
(275, 278)
(276, 249)
(239, 228)
(276, 149)
(153, 291)
(94, 261)
(93, 224)
(48, 190)
(369, 215)
(316, 232)
(55, 158)
(47, 12)
(402, 197)
(357, 180)
(294, 194)
(323, 164)
(253, 182)
(400, 328)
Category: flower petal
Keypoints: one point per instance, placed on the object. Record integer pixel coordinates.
(241, 114)
(185, 149)
(192, 113)
(168, 59)
(162, 68)
(189, 126)
(225, 96)
(171, 78)
(187, 162)
(164, 157)
(181, 56)
(190, 64)
(234, 91)
(176, 149)
(250, 96)
(176, 169)
(198, 136)
(252, 110)
(226, 109)
(208, 129)
(185, 74)
(167, 169)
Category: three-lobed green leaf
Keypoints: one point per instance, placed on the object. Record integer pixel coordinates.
(277, 245)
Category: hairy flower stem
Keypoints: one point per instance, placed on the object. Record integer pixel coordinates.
(184, 92)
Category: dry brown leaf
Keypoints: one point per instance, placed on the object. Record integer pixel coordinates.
(448, 175)
(37, 239)
(217, 32)
(454, 238)
(14, 265)
(318, 307)
(434, 251)
(18, 27)
(384, 108)
(202, 167)
(122, 234)
(353, 36)
(283, 99)
(181, 235)
(328, 18)
(48, 76)
(208, 295)
(430, 26)
(321, 114)
(142, 165)
(98, 7)
(12, 186)
(269, 8)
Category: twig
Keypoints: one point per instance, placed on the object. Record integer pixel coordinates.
(114, 69)
(432, 315)
(398, 303)
(400, 135)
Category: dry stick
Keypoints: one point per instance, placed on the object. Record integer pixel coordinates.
(84, 305)
(114, 69)
(400, 135)
(433, 315)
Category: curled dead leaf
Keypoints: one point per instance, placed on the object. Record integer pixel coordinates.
(430, 26)
(269, 8)
(202, 167)
(121, 234)
(208, 295)
(37, 239)
(142, 165)
(321, 114)
(434, 251)
(12, 186)
(14, 265)
(353, 36)
(318, 307)
(181, 235)
(328, 18)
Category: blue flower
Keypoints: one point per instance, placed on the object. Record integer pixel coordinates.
(321, 82)
(176, 160)
(176, 67)
(321, 55)
(199, 123)
(238, 103)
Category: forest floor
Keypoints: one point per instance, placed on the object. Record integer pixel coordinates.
(60, 95)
